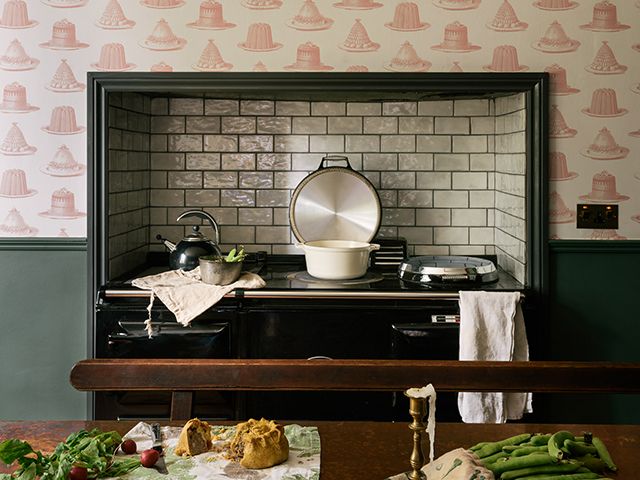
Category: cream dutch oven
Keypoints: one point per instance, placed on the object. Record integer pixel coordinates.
(335, 212)
(337, 259)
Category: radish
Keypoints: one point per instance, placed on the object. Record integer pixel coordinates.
(129, 446)
(148, 458)
(78, 473)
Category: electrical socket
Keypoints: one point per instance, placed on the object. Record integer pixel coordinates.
(597, 216)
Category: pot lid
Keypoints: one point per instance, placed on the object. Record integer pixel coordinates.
(335, 203)
(441, 269)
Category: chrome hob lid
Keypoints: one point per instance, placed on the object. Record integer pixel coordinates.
(445, 270)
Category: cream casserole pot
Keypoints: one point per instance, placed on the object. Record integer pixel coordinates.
(337, 259)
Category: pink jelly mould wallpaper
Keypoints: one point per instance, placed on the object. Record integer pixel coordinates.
(590, 48)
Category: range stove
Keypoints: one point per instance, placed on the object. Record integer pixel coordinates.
(379, 316)
(286, 277)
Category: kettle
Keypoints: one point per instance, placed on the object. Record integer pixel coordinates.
(185, 253)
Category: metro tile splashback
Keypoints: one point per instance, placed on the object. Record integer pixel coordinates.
(434, 164)
(591, 47)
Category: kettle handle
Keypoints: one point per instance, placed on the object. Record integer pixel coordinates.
(206, 216)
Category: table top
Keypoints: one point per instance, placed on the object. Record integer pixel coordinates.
(368, 450)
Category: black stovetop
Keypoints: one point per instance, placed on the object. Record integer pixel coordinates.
(287, 273)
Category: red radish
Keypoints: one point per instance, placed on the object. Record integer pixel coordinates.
(148, 458)
(129, 446)
(78, 473)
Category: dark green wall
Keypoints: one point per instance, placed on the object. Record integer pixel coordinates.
(594, 315)
(595, 293)
(43, 328)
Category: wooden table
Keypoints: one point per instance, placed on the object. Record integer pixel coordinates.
(370, 450)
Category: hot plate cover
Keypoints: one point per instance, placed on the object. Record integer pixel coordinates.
(440, 269)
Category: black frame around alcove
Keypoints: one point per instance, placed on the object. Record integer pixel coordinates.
(322, 87)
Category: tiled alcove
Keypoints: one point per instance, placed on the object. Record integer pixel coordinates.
(450, 173)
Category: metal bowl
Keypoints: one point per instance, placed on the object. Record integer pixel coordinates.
(217, 272)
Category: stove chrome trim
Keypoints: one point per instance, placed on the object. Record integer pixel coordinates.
(330, 294)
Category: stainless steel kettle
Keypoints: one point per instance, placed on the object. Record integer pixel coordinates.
(185, 253)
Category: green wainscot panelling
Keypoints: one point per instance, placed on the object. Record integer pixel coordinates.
(43, 320)
(594, 315)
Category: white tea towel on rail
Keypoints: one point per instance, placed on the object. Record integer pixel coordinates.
(492, 328)
(186, 295)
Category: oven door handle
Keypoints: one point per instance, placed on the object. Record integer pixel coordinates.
(319, 357)
(117, 340)
(137, 330)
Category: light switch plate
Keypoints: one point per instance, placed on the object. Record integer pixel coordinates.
(597, 216)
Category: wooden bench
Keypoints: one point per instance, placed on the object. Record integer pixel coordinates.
(184, 376)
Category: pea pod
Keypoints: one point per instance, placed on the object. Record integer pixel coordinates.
(539, 470)
(493, 458)
(604, 455)
(568, 476)
(495, 447)
(528, 450)
(516, 463)
(594, 464)
(540, 439)
(579, 448)
(556, 443)
(478, 446)
(511, 448)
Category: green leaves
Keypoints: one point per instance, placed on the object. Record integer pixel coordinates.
(11, 450)
(235, 256)
(16, 450)
(120, 467)
(91, 449)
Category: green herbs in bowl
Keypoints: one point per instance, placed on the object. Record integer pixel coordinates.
(234, 256)
(222, 270)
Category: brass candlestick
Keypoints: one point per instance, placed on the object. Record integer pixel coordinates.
(417, 410)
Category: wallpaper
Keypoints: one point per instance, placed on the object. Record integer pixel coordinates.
(591, 50)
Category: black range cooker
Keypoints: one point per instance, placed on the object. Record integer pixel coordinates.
(379, 316)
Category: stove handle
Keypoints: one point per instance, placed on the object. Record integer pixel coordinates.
(319, 357)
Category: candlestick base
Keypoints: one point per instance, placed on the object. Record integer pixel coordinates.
(417, 410)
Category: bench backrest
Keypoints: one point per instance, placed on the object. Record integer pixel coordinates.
(184, 376)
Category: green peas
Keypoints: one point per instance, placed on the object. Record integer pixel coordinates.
(511, 448)
(540, 439)
(516, 463)
(569, 476)
(543, 457)
(539, 470)
(495, 447)
(493, 458)
(594, 464)
(604, 455)
(478, 446)
(520, 452)
(556, 443)
(579, 448)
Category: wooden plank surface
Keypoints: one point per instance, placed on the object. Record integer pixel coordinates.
(371, 450)
(366, 375)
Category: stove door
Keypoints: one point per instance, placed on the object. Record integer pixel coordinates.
(428, 341)
(169, 340)
(120, 333)
(425, 341)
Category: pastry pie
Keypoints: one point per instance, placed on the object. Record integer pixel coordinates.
(195, 438)
(259, 444)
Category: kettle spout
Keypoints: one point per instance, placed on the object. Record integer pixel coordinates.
(170, 245)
